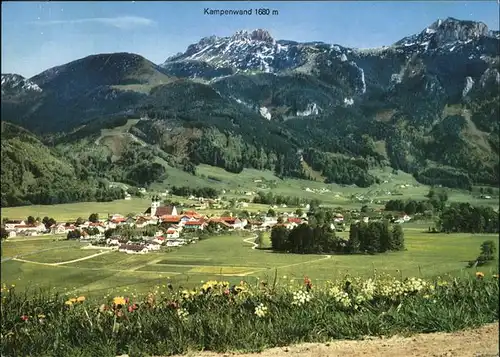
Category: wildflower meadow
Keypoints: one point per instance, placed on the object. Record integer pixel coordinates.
(221, 317)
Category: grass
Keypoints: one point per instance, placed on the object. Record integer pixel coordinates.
(244, 317)
(427, 255)
(251, 180)
(71, 211)
(11, 248)
(60, 255)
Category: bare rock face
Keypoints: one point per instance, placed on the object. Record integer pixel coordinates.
(451, 30)
(261, 35)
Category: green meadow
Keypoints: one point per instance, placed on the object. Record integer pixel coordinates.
(51, 264)
(236, 186)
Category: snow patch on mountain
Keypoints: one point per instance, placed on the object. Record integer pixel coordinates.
(348, 101)
(264, 112)
(248, 105)
(469, 82)
(312, 109)
(15, 82)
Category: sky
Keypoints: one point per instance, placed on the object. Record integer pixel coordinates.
(40, 35)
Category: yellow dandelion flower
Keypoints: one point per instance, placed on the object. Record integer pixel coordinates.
(479, 275)
(73, 299)
(69, 303)
(119, 300)
(80, 299)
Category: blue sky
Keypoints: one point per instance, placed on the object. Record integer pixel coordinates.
(40, 35)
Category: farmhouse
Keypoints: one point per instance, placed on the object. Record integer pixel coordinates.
(294, 220)
(29, 229)
(192, 214)
(153, 246)
(133, 249)
(14, 222)
(235, 222)
(195, 225)
(220, 223)
(159, 240)
(143, 221)
(253, 225)
(174, 243)
(171, 219)
(172, 233)
(58, 229)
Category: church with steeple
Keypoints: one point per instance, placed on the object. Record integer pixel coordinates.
(157, 210)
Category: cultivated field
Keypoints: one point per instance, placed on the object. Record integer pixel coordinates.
(65, 265)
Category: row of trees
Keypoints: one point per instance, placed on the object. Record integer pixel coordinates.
(305, 239)
(463, 217)
(373, 237)
(437, 199)
(206, 192)
(269, 198)
(46, 195)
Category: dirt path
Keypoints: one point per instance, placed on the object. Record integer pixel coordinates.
(251, 240)
(481, 342)
(84, 258)
(62, 263)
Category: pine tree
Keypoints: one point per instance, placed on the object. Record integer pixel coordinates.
(353, 244)
(398, 242)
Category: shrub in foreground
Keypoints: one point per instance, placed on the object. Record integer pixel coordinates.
(221, 317)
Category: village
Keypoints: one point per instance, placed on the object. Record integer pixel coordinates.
(164, 226)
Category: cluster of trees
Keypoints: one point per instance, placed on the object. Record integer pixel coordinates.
(305, 239)
(408, 206)
(72, 193)
(488, 249)
(340, 169)
(375, 237)
(206, 192)
(48, 221)
(445, 177)
(131, 233)
(77, 233)
(269, 198)
(437, 199)
(463, 217)
(3, 233)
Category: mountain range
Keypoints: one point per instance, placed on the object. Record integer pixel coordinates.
(427, 104)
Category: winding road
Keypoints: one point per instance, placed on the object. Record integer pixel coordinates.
(251, 240)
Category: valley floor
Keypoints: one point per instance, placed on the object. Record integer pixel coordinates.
(480, 342)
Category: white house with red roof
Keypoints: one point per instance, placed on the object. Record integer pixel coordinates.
(9, 225)
(195, 224)
(172, 233)
(338, 218)
(30, 229)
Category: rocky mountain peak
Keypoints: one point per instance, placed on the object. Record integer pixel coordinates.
(255, 35)
(447, 34)
(451, 30)
(15, 83)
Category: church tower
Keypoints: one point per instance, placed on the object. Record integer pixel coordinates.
(155, 203)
